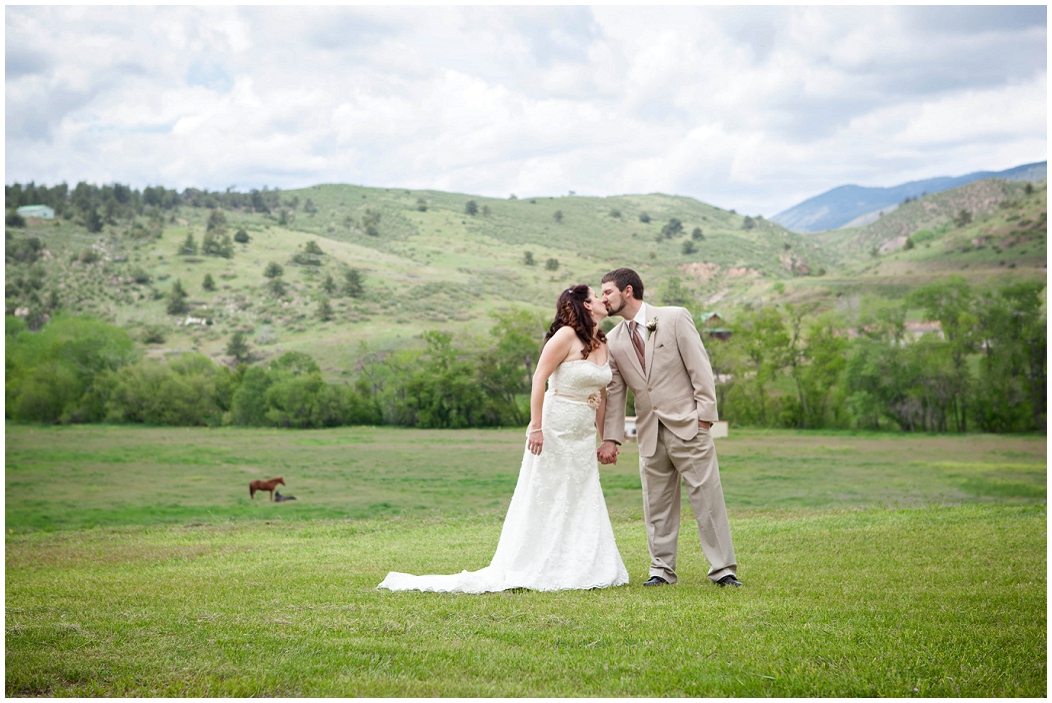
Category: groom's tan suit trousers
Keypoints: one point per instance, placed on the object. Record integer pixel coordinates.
(674, 392)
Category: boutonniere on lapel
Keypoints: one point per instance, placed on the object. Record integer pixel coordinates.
(652, 325)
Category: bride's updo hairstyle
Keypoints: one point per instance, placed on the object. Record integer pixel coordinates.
(571, 312)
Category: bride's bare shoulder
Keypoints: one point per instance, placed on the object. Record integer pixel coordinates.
(564, 333)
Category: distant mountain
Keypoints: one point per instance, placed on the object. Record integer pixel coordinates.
(856, 205)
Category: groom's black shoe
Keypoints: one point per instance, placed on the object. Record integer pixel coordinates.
(656, 581)
(729, 580)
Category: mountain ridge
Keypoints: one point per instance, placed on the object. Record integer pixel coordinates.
(850, 205)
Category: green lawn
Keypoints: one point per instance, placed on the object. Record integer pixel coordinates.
(84, 476)
(875, 565)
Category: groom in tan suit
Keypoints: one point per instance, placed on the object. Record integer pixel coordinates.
(657, 352)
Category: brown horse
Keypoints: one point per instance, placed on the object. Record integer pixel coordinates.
(265, 486)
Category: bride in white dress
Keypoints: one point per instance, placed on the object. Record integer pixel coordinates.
(557, 532)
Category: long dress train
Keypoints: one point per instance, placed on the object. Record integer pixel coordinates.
(557, 533)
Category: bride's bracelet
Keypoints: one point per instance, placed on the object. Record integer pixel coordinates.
(529, 432)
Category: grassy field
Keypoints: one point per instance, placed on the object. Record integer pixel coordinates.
(86, 476)
(875, 565)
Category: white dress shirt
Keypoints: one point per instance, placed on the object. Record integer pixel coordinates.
(641, 321)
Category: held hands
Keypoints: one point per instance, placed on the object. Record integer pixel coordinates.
(607, 452)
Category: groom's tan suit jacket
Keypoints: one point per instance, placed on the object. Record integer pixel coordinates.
(677, 388)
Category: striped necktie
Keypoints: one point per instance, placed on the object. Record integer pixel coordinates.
(637, 342)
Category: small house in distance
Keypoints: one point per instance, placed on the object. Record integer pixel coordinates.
(712, 326)
(42, 212)
(916, 330)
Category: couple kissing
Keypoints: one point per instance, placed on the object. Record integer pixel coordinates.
(557, 533)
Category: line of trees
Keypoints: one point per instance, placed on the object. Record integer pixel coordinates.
(96, 206)
(984, 370)
(783, 367)
(81, 370)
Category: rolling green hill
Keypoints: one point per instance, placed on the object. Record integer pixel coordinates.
(428, 264)
(924, 240)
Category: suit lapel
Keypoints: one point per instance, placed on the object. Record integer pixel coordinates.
(648, 348)
(625, 339)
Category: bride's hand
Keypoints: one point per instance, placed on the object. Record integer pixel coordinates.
(534, 440)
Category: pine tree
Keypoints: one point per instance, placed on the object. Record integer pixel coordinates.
(238, 347)
(177, 299)
(353, 285)
(324, 309)
(209, 245)
(277, 287)
(225, 247)
(216, 221)
(189, 245)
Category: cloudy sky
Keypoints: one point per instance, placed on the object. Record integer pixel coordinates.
(746, 108)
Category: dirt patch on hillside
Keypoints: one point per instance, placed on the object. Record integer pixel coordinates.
(739, 271)
(893, 244)
(700, 270)
(794, 264)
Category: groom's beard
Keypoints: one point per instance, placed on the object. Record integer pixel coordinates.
(610, 311)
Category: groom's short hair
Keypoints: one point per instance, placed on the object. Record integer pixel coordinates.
(625, 277)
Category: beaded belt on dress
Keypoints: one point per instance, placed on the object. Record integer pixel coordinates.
(591, 401)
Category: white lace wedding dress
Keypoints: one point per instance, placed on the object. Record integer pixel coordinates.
(557, 533)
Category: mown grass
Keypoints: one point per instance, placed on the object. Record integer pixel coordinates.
(875, 565)
(930, 602)
(83, 476)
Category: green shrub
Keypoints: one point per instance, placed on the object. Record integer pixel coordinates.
(672, 229)
(25, 251)
(190, 390)
(153, 334)
(50, 372)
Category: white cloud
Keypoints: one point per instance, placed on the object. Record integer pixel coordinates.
(752, 108)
